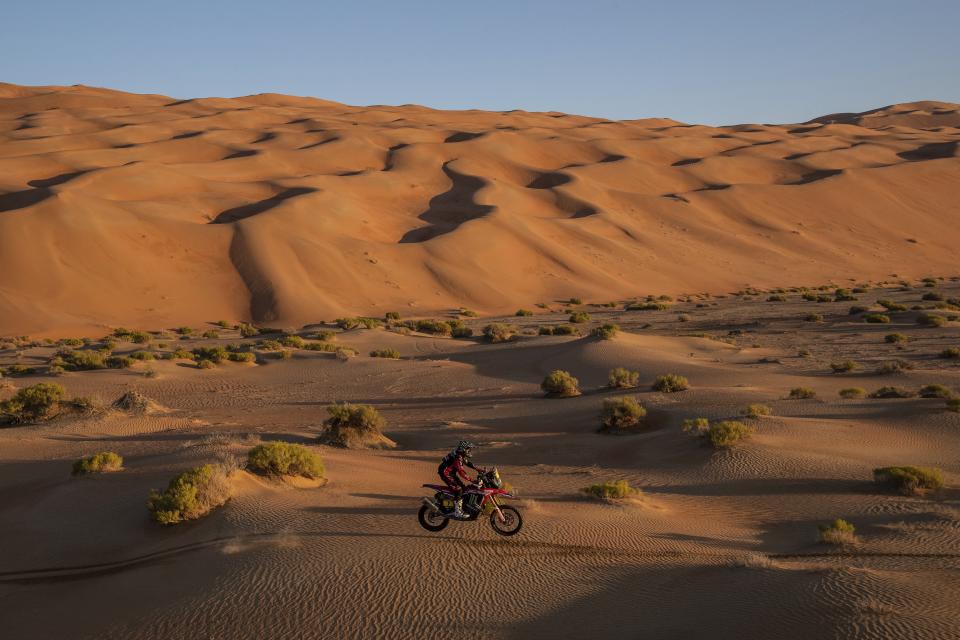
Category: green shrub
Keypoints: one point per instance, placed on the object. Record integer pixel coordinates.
(837, 532)
(953, 404)
(498, 332)
(434, 327)
(622, 378)
(852, 392)
(119, 362)
(844, 366)
(223, 324)
(20, 370)
(56, 370)
(931, 320)
(909, 481)
(391, 315)
(813, 317)
(670, 383)
(140, 337)
(292, 341)
(935, 391)
(242, 356)
(890, 305)
(892, 392)
(142, 355)
(184, 331)
(565, 330)
(70, 342)
(248, 330)
(605, 332)
(385, 353)
(190, 495)
(618, 414)
(203, 363)
(545, 330)
(285, 459)
(579, 317)
(103, 462)
(843, 295)
(523, 312)
(560, 384)
(462, 332)
(894, 338)
(214, 354)
(122, 333)
(84, 360)
(876, 318)
(576, 301)
(351, 424)
(610, 490)
(32, 403)
(802, 393)
(727, 433)
(756, 410)
(344, 353)
(182, 354)
(951, 352)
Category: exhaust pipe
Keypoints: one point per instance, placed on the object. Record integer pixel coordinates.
(433, 505)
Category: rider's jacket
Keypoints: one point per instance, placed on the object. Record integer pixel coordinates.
(451, 467)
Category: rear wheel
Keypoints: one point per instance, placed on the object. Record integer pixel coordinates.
(510, 525)
(431, 520)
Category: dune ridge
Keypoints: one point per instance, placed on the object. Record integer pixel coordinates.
(146, 210)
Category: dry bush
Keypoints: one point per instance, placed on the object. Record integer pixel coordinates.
(610, 490)
(813, 317)
(931, 320)
(953, 404)
(908, 480)
(876, 318)
(892, 392)
(756, 410)
(385, 353)
(605, 332)
(844, 366)
(560, 384)
(32, 404)
(838, 532)
(286, 459)
(727, 433)
(355, 425)
(499, 332)
(103, 462)
(523, 312)
(893, 366)
(190, 495)
(579, 317)
(895, 338)
(935, 391)
(852, 392)
(802, 393)
(622, 378)
(619, 414)
(950, 352)
(434, 327)
(670, 383)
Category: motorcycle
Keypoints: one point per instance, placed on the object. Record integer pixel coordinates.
(480, 498)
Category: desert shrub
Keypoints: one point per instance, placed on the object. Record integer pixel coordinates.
(285, 354)
(182, 354)
(647, 306)
(56, 370)
(385, 353)
(951, 352)
(756, 410)
(354, 424)
(953, 404)
(843, 295)
(890, 305)
(203, 363)
(285, 459)
(248, 330)
(211, 334)
(119, 362)
(696, 426)
(269, 345)
(184, 331)
(892, 392)
(32, 403)
(893, 366)
(576, 301)
(295, 342)
(777, 298)
(84, 360)
(876, 318)
(857, 309)
(82, 405)
(191, 494)
(802, 393)
(214, 354)
(326, 335)
(391, 315)
(241, 356)
(935, 391)
(468, 313)
(852, 392)
(545, 330)
(844, 366)
(462, 332)
(565, 330)
(727, 433)
(434, 327)
(623, 378)
(320, 346)
(610, 490)
(498, 332)
(102, 462)
(20, 370)
(122, 333)
(670, 383)
(69, 342)
(837, 532)
(618, 414)
(223, 324)
(809, 297)
(560, 384)
(931, 320)
(579, 317)
(909, 480)
(142, 355)
(344, 353)
(605, 332)
(813, 317)
(804, 353)
(894, 338)
(523, 312)
(933, 296)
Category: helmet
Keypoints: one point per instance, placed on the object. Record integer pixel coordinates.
(464, 447)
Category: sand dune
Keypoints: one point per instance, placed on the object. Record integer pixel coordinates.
(119, 208)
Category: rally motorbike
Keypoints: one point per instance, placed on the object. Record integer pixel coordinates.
(479, 499)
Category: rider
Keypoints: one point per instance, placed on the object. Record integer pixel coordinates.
(451, 470)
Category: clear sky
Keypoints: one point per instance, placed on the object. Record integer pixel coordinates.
(705, 61)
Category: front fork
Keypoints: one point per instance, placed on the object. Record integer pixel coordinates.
(496, 508)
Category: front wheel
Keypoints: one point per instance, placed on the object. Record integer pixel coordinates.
(510, 525)
(431, 520)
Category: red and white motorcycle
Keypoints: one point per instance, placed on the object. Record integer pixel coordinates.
(481, 498)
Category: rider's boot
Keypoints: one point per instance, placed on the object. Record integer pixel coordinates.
(458, 509)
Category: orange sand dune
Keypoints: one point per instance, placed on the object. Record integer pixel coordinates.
(118, 208)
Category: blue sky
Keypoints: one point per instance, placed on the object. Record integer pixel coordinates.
(711, 62)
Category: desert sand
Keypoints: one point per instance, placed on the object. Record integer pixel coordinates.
(152, 213)
(126, 209)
